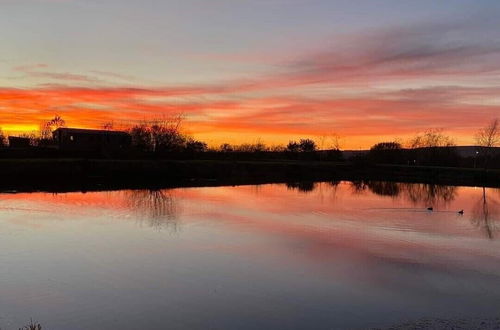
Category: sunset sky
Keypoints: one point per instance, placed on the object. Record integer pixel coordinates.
(254, 70)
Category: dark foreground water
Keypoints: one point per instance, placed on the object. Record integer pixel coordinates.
(297, 256)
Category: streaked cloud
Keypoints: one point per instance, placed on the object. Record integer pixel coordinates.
(39, 71)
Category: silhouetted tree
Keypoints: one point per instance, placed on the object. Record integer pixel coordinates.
(487, 138)
(277, 148)
(335, 141)
(387, 146)
(330, 141)
(108, 126)
(433, 147)
(307, 145)
(3, 139)
(386, 152)
(159, 135)
(166, 137)
(226, 147)
(304, 145)
(251, 147)
(196, 146)
(244, 147)
(431, 139)
(32, 326)
(141, 137)
(293, 146)
(46, 128)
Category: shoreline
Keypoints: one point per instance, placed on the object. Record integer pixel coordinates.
(97, 174)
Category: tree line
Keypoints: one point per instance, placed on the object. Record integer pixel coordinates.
(433, 147)
(161, 136)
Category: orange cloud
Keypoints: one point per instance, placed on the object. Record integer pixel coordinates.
(275, 118)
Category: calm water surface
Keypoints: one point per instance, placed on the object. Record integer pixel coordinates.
(324, 255)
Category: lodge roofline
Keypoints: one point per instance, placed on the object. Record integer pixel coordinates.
(88, 131)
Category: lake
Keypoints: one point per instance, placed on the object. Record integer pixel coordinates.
(328, 255)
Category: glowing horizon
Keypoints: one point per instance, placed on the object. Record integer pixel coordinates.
(245, 72)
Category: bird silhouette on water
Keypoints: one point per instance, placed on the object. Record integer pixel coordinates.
(430, 208)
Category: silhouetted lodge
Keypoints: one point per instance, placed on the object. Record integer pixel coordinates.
(18, 142)
(76, 139)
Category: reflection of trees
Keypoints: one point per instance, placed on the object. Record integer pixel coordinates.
(309, 186)
(158, 207)
(358, 187)
(485, 214)
(421, 194)
(429, 194)
(334, 184)
(302, 186)
(416, 193)
(384, 188)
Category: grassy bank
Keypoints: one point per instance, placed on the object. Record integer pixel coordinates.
(39, 174)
